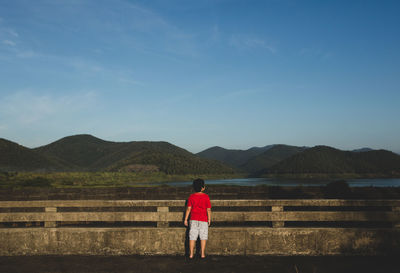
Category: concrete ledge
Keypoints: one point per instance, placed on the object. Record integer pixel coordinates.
(216, 203)
(222, 241)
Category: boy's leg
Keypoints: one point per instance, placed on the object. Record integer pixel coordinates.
(192, 243)
(193, 234)
(203, 248)
(203, 237)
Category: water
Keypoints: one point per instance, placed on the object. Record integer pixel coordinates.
(376, 182)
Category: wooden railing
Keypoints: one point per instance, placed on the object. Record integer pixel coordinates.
(279, 213)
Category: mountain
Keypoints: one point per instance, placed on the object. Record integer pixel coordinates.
(88, 153)
(14, 157)
(328, 160)
(79, 151)
(270, 157)
(234, 158)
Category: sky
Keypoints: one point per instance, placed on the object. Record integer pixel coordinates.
(197, 74)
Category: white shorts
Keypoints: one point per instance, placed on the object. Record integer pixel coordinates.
(198, 228)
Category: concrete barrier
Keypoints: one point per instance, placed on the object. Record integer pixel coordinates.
(279, 238)
(222, 241)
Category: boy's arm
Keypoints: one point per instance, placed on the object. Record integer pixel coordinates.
(188, 209)
(209, 216)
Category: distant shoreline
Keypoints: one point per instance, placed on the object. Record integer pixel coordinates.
(125, 179)
(330, 176)
(216, 192)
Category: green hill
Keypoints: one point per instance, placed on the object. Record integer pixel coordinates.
(327, 160)
(88, 153)
(81, 152)
(234, 158)
(14, 157)
(270, 157)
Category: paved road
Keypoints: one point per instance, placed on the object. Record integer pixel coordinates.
(176, 264)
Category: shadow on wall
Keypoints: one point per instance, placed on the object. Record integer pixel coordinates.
(384, 243)
(373, 243)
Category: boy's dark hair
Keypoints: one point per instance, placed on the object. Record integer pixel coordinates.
(198, 184)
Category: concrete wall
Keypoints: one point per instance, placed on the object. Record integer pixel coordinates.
(222, 241)
(281, 239)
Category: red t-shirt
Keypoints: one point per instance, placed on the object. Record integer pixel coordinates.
(199, 202)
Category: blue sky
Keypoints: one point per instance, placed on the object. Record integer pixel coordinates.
(197, 74)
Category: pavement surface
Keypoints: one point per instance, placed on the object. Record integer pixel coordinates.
(220, 264)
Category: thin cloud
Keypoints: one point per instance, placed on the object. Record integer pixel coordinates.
(77, 65)
(129, 24)
(238, 94)
(9, 32)
(130, 81)
(314, 52)
(27, 107)
(244, 42)
(88, 67)
(82, 65)
(12, 32)
(9, 43)
(26, 54)
(155, 28)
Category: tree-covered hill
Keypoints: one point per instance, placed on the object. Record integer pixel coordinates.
(234, 158)
(270, 157)
(14, 157)
(80, 151)
(88, 153)
(168, 159)
(327, 160)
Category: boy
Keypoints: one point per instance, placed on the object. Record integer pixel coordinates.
(199, 208)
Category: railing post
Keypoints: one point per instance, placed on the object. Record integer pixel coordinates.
(277, 224)
(162, 217)
(396, 224)
(49, 211)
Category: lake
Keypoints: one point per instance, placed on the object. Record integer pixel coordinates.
(376, 182)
